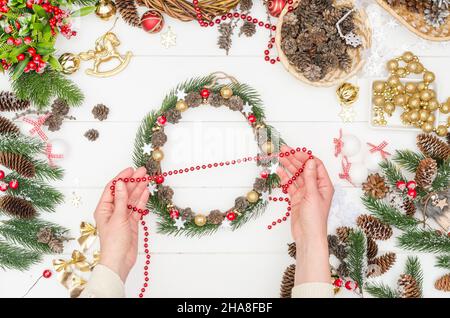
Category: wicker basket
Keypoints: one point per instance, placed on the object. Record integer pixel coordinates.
(338, 75)
(416, 23)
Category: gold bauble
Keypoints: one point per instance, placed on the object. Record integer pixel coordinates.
(378, 101)
(400, 100)
(106, 9)
(400, 88)
(347, 93)
(426, 95)
(268, 147)
(226, 92)
(419, 68)
(441, 131)
(448, 120)
(389, 108)
(431, 118)
(200, 220)
(157, 155)
(252, 196)
(421, 86)
(428, 77)
(405, 118)
(70, 63)
(378, 86)
(401, 71)
(413, 115)
(392, 65)
(410, 88)
(181, 105)
(427, 127)
(445, 108)
(416, 95)
(393, 80)
(423, 115)
(413, 67)
(414, 103)
(408, 56)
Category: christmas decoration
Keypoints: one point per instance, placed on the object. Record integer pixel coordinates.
(417, 99)
(196, 92)
(100, 112)
(92, 134)
(128, 11)
(443, 283)
(27, 193)
(433, 147)
(317, 24)
(8, 127)
(152, 21)
(105, 9)
(375, 186)
(10, 102)
(426, 173)
(347, 95)
(287, 282)
(168, 38)
(275, 7)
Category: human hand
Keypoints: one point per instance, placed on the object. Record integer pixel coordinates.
(118, 227)
(311, 194)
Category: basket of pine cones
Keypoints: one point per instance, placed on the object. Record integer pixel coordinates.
(427, 19)
(322, 42)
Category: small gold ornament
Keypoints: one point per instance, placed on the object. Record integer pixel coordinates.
(157, 155)
(105, 9)
(268, 147)
(70, 63)
(252, 196)
(226, 92)
(181, 105)
(347, 93)
(200, 220)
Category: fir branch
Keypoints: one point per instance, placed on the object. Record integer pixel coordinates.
(414, 269)
(21, 145)
(441, 182)
(143, 136)
(83, 2)
(356, 258)
(252, 212)
(424, 241)
(391, 171)
(24, 232)
(388, 214)
(443, 261)
(46, 172)
(408, 159)
(40, 89)
(380, 290)
(13, 257)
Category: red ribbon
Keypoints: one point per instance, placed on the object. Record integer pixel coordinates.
(338, 144)
(379, 148)
(37, 124)
(50, 155)
(345, 174)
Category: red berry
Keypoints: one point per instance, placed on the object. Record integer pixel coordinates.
(10, 41)
(36, 58)
(174, 214)
(231, 216)
(205, 93)
(162, 120)
(8, 29)
(338, 282)
(411, 184)
(2, 174)
(252, 118)
(17, 25)
(264, 174)
(412, 193)
(14, 184)
(27, 40)
(18, 41)
(47, 273)
(31, 65)
(349, 285)
(32, 51)
(159, 179)
(21, 57)
(401, 185)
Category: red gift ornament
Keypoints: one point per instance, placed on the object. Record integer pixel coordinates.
(275, 7)
(411, 185)
(162, 120)
(264, 174)
(152, 21)
(14, 184)
(174, 214)
(412, 193)
(252, 118)
(2, 174)
(205, 93)
(231, 216)
(159, 179)
(401, 185)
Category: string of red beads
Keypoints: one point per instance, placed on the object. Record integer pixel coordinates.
(236, 15)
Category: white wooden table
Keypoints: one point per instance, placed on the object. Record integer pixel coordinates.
(250, 261)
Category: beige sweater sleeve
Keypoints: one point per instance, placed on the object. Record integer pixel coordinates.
(313, 290)
(104, 283)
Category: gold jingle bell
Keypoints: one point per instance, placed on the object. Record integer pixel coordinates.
(105, 9)
(200, 220)
(70, 63)
(268, 147)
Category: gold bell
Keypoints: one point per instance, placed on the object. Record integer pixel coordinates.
(70, 63)
(106, 9)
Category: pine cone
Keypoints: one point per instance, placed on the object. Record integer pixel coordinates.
(335, 248)
(240, 204)
(153, 167)
(17, 207)
(165, 193)
(343, 232)
(187, 214)
(287, 282)
(433, 147)
(193, 99)
(343, 270)
(54, 122)
(18, 163)
(384, 262)
(128, 11)
(9, 102)
(292, 249)
(409, 207)
(60, 107)
(215, 217)
(313, 73)
(373, 227)
(246, 5)
(92, 134)
(159, 138)
(7, 127)
(260, 185)
(216, 100)
(56, 246)
(173, 116)
(45, 235)
(235, 103)
(100, 112)
(448, 139)
(443, 283)
(372, 248)
(426, 173)
(248, 29)
(290, 18)
(225, 32)
(408, 287)
(375, 186)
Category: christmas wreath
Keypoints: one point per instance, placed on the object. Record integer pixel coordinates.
(28, 32)
(151, 137)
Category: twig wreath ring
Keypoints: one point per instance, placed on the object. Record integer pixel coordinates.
(151, 138)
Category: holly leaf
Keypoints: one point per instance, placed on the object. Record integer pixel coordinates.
(83, 11)
(54, 63)
(18, 50)
(18, 70)
(39, 11)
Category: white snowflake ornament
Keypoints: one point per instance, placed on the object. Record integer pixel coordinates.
(179, 223)
(181, 95)
(347, 114)
(147, 149)
(353, 39)
(75, 200)
(168, 38)
(152, 188)
(247, 109)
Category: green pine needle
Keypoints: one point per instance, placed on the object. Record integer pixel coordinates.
(408, 159)
(21, 145)
(392, 172)
(356, 258)
(424, 241)
(380, 290)
(414, 269)
(46, 172)
(443, 261)
(388, 214)
(441, 182)
(14, 257)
